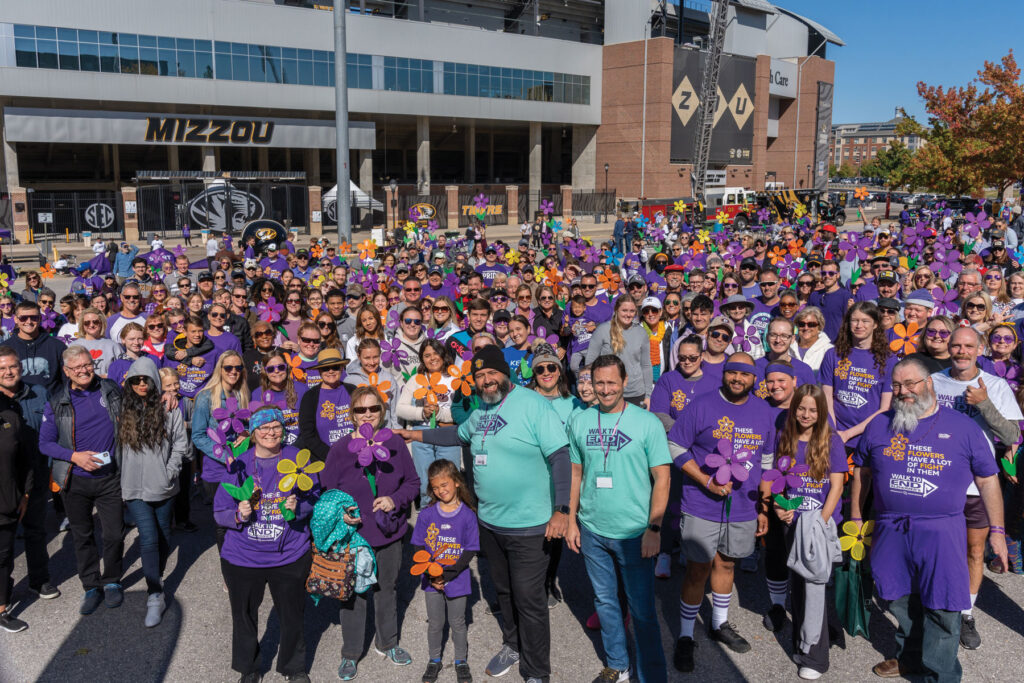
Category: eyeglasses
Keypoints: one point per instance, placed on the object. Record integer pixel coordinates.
(898, 388)
(79, 369)
(238, 296)
(546, 369)
(942, 334)
(307, 340)
(231, 368)
(804, 324)
(28, 318)
(769, 283)
(136, 380)
(272, 428)
(1000, 339)
(780, 336)
(720, 335)
(362, 410)
(689, 359)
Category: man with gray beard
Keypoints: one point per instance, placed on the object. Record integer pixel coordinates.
(522, 477)
(920, 457)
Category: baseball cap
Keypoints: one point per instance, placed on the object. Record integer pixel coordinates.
(636, 279)
(272, 246)
(251, 263)
(205, 275)
(355, 289)
(721, 321)
(435, 271)
(302, 253)
(889, 303)
(650, 302)
(828, 227)
(748, 263)
(402, 267)
(502, 315)
(889, 275)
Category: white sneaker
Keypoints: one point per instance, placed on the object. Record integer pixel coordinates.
(65, 525)
(663, 566)
(808, 674)
(154, 609)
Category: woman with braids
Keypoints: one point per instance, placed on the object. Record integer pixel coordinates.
(856, 374)
(807, 439)
(153, 445)
(278, 387)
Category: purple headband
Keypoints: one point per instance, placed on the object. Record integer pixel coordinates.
(736, 366)
(779, 367)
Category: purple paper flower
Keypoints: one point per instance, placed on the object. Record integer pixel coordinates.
(1009, 371)
(392, 354)
(764, 215)
(946, 263)
(728, 463)
(369, 445)
(786, 473)
(546, 207)
(414, 214)
(543, 335)
(257, 404)
(481, 201)
(221, 449)
(231, 416)
(789, 267)
(945, 301)
(976, 223)
(269, 311)
(747, 338)
(433, 226)
(392, 320)
(179, 251)
(855, 247)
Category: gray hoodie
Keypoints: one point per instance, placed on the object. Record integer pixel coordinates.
(151, 474)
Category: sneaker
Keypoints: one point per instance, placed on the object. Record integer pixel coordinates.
(462, 674)
(969, 638)
(347, 669)
(554, 596)
(46, 591)
(775, 619)
(433, 671)
(90, 601)
(663, 566)
(11, 624)
(155, 607)
(726, 635)
(65, 525)
(502, 662)
(808, 674)
(594, 622)
(113, 595)
(683, 657)
(610, 675)
(254, 677)
(397, 655)
(301, 677)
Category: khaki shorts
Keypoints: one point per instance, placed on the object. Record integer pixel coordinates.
(701, 539)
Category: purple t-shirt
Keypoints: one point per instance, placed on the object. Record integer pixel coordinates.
(833, 308)
(489, 272)
(926, 472)
(857, 386)
(447, 535)
(191, 378)
(673, 392)
(813, 492)
(94, 431)
(291, 415)
(749, 426)
(312, 377)
(277, 266)
(226, 342)
(332, 416)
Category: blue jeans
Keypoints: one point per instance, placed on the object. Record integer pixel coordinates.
(602, 555)
(153, 520)
(423, 454)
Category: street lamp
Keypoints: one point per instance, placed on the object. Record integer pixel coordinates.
(808, 176)
(393, 184)
(604, 205)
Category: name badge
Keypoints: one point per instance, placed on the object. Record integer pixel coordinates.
(480, 459)
(604, 480)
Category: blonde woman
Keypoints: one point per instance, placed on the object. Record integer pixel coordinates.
(92, 330)
(996, 288)
(976, 311)
(811, 342)
(621, 337)
(923, 278)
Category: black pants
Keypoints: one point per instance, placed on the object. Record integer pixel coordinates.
(34, 524)
(554, 558)
(7, 533)
(210, 488)
(776, 550)
(246, 586)
(385, 606)
(81, 496)
(518, 566)
(183, 499)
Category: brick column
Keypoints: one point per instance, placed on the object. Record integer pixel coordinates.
(316, 228)
(389, 213)
(512, 199)
(131, 220)
(454, 210)
(21, 225)
(566, 202)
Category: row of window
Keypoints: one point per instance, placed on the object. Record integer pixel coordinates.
(47, 47)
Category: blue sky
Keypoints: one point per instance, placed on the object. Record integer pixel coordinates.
(892, 45)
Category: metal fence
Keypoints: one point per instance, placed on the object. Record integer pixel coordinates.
(219, 206)
(6, 217)
(428, 206)
(593, 202)
(74, 212)
(525, 197)
(494, 208)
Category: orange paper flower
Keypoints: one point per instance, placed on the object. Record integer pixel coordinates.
(429, 387)
(298, 374)
(47, 271)
(552, 277)
(777, 254)
(423, 561)
(861, 193)
(344, 248)
(367, 248)
(382, 387)
(462, 378)
(316, 251)
(610, 281)
(905, 342)
(796, 247)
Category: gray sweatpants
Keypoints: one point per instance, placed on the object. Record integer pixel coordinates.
(438, 606)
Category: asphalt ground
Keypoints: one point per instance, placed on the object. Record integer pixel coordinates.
(194, 641)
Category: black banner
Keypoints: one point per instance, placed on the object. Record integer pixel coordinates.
(822, 130)
(732, 139)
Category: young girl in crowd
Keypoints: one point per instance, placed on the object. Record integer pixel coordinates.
(447, 530)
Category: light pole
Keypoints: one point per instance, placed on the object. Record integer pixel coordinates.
(808, 176)
(393, 184)
(343, 195)
(604, 205)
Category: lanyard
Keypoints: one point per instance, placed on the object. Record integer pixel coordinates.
(615, 431)
(487, 426)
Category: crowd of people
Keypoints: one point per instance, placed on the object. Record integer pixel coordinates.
(677, 395)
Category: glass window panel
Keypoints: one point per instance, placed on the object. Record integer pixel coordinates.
(305, 72)
(319, 56)
(88, 36)
(240, 49)
(390, 78)
(366, 76)
(273, 69)
(165, 43)
(129, 59)
(288, 52)
(304, 55)
(223, 47)
(289, 70)
(460, 84)
(255, 51)
(107, 38)
(204, 64)
(460, 68)
(89, 56)
(186, 64)
(402, 62)
(147, 41)
(449, 83)
(127, 39)
(147, 61)
(330, 76)
(68, 34)
(185, 43)
(403, 80)
(46, 32)
(25, 52)
(414, 80)
(427, 80)
(273, 51)
(24, 31)
(257, 72)
(223, 66)
(240, 67)
(204, 46)
(166, 63)
(585, 96)
(47, 51)
(559, 92)
(449, 68)
(68, 55)
(352, 74)
(109, 63)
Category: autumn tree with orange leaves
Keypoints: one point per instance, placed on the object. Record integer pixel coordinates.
(975, 137)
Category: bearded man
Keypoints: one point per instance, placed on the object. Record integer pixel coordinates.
(522, 476)
(920, 457)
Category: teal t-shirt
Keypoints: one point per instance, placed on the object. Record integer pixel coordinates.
(635, 445)
(514, 484)
(566, 407)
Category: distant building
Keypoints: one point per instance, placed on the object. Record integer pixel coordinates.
(857, 143)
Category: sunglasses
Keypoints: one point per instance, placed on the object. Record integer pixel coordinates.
(807, 323)
(830, 273)
(805, 284)
(91, 323)
(362, 410)
(413, 289)
(412, 321)
(129, 297)
(546, 369)
(937, 334)
(1000, 339)
(440, 309)
(280, 367)
(28, 318)
(155, 326)
(307, 340)
(293, 301)
(770, 283)
(689, 359)
(324, 325)
(719, 334)
(974, 307)
(672, 303)
(730, 285)
(217, 316)
(136, 380)
(499, 297)
(262, 333)
(231, 368)
(589, 286)
(993, 276)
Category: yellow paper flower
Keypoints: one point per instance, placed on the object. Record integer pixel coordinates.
(512, 257)
(4, 283)
(858, 536)
(296, 472)
(704, 236)
(679, 206)
(721, 217)
(799, 211)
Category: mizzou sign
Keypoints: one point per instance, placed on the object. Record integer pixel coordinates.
(209, 131)
(489, 210)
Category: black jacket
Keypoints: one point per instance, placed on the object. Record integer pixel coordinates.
(40, 359)
(64, 415)
(16, 475)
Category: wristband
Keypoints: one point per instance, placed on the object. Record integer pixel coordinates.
(708, 484)
(856, 519)
(997, 530)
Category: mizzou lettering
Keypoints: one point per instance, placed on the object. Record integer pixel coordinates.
(209, 131)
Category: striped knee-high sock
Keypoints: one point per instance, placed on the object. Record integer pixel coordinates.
(777, 591)
(687, 617)
(719, 609)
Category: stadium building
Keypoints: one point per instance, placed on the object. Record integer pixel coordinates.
(121, 117)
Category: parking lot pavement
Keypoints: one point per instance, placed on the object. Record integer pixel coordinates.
(194, 641)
